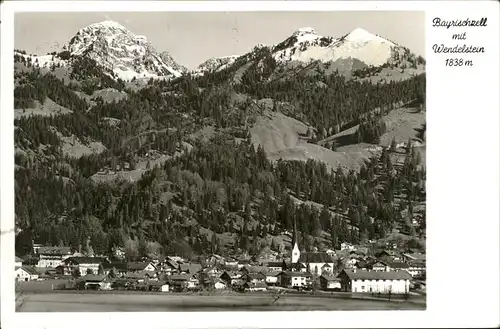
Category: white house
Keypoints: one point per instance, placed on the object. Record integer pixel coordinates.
(395, 282)
(272, 277)
(26, 273)
(219, 284)
(293, 279)
(347, 246)
(86, 265)
(52, 256)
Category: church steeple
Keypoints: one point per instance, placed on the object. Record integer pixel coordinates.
(295, 244)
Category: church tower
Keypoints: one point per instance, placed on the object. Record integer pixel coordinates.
(295, 245)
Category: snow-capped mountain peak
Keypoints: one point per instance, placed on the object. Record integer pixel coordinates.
(128, 55)
(215, 64)
(360, 35)
(305, 45)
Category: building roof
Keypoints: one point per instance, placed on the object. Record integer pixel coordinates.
(274, 264)
(272, 273)
(252, 276)
(397, 264)
(181, 277)
(292, 273)
(93, 278)
(255, 269)
(330, 278)
(315, 257)
(19, 259)
(28, 269)
(326, 265)
(371, 275)
(116, 265)
(47, 250)
(256, 285)
(137, 266)
(190, 267)
(232, 274)
(86, 260)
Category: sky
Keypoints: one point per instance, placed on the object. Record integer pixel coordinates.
(193, 37)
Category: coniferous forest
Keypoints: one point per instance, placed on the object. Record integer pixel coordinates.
(217, 194)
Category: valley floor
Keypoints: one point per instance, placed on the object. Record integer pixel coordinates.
(164, 302)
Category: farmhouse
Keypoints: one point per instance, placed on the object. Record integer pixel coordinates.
(140, 266)
(86, 265)
(253, 277)
(230, 277)
(96, 282)
(116, 268)
(257, 286)
(25, 273)
(371, 281)
(275, 266)
(329, 282)
(52, 256)
(293, 279)
(271, 278)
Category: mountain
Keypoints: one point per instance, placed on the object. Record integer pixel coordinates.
(305, 49)
(225, 161)
(306, 45)
(216, 64)
(128, 55)
(118, 51)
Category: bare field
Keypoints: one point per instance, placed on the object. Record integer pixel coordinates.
(113, 302)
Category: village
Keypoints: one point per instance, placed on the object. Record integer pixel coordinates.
(352, 269)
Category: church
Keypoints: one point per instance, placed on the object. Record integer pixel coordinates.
(316, 263)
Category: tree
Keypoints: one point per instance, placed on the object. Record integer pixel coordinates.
(90, 271)
(76, 273)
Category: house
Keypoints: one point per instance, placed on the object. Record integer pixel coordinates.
(118, 269)
(395, 282)
(219, 284)
(230, 277)
(212, 271)
(413, 257)
(52, 256)
(18, 262)
(26, 273)
(276, 266)
(184, 281)
(142, 276)
(293, 279)
(329, 282)
(396, 266)
(347, 246)
(416, 268)
(86, 265)
(330, 252)
(189, 268)
(271, 278)
(140, 266)
(161, 286)
(379, 267)
(231, 261)
(255, 286)
(97, 282)
(253, 277)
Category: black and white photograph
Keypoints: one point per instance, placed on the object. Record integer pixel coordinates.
(225, 164)
(172, 161)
